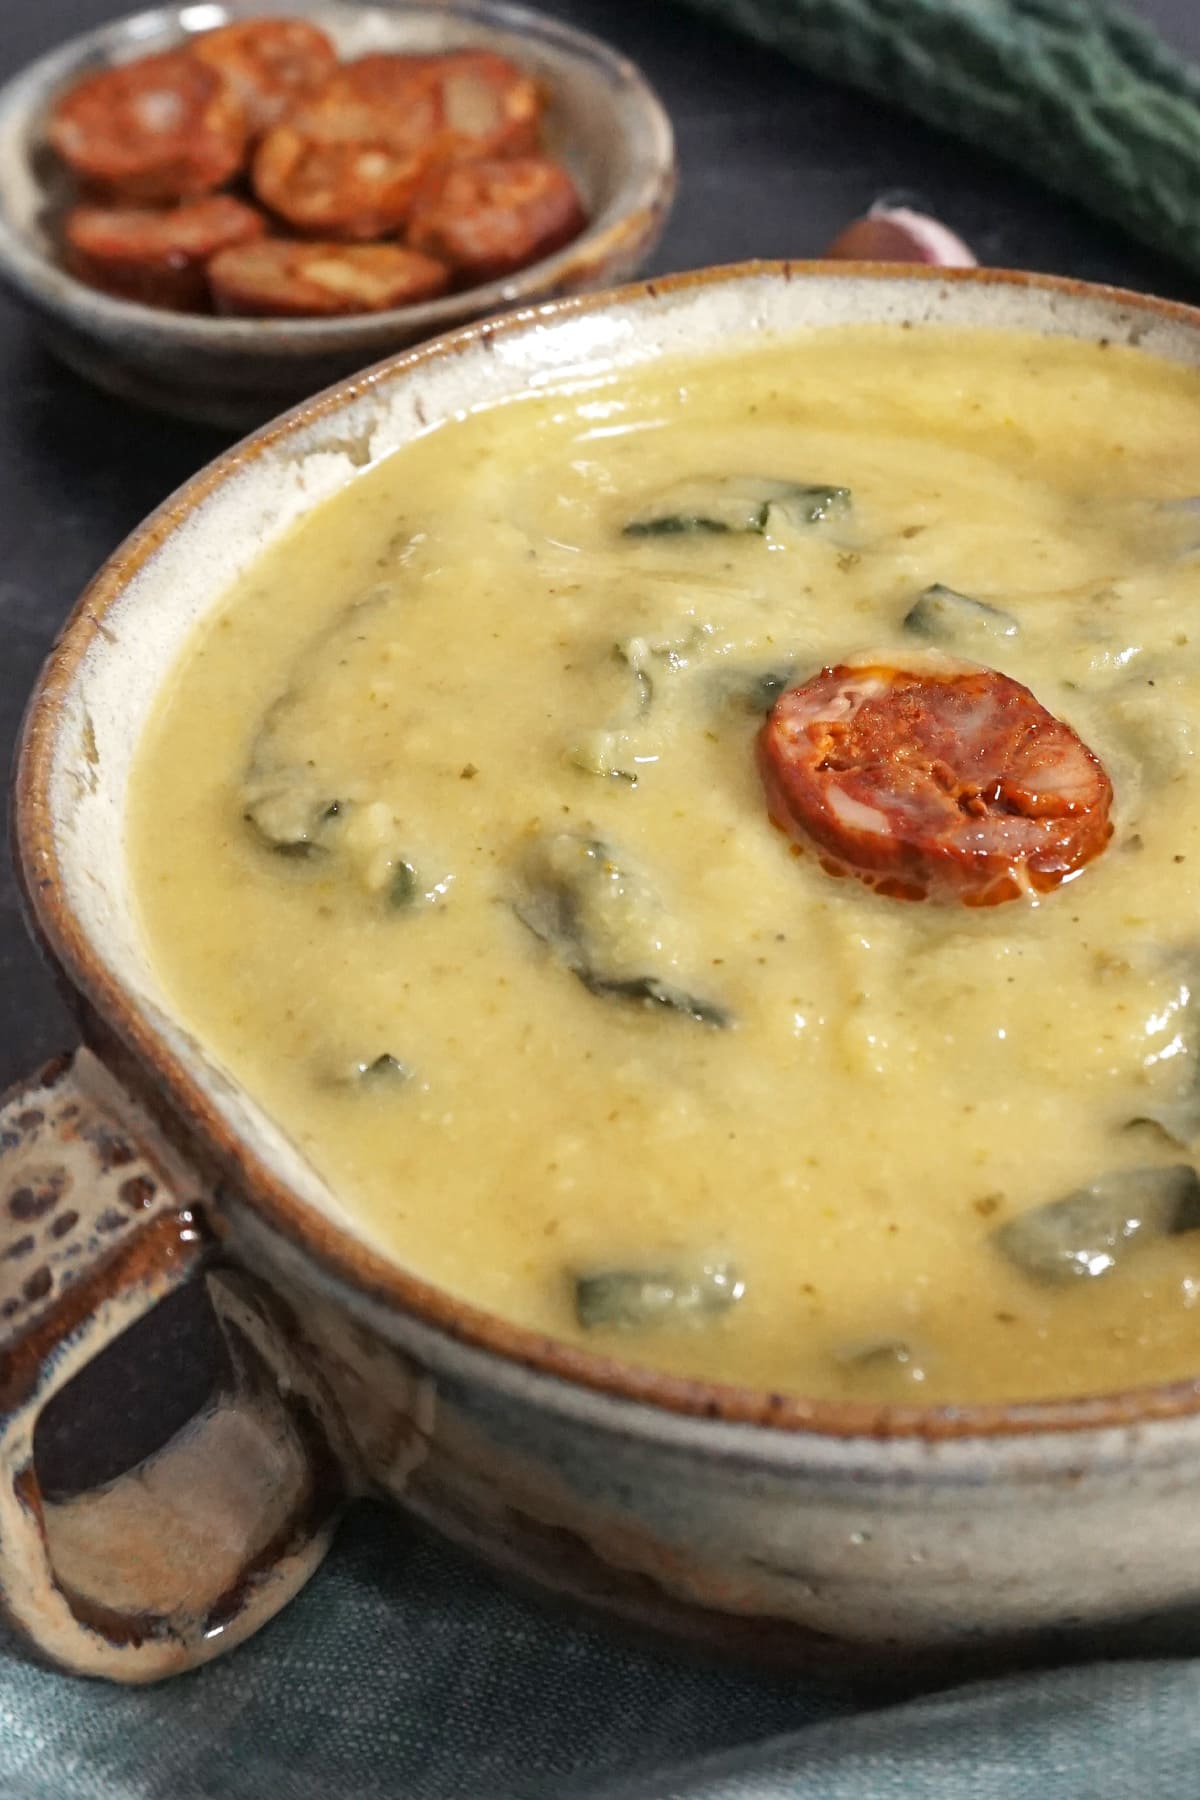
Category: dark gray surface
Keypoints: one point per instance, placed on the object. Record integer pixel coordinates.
(773, 164)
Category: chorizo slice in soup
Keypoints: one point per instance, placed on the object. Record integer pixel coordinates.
(933, 779)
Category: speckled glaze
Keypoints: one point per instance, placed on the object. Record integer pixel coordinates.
(150, 1575)
(603, 120)
(886, 1541)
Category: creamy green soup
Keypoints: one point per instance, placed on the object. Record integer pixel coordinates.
(451, 843)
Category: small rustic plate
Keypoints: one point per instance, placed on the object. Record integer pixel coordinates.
(603, 120)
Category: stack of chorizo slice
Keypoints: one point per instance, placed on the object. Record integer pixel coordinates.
(357, 187)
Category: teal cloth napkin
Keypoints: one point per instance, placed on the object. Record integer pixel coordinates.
(403, 1672)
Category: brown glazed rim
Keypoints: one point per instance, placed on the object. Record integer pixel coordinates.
(350, 1263)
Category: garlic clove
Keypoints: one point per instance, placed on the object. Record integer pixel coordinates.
(896, 234)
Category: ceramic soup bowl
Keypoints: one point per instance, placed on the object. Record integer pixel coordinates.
(838, 1536)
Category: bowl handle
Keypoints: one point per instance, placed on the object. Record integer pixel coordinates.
(165, 1567)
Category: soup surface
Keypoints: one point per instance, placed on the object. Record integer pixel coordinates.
(452, 841)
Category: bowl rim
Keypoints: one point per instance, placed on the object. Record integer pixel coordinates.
(350, 1268)
(39, 279)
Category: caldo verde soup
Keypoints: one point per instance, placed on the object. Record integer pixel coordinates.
(706, 862)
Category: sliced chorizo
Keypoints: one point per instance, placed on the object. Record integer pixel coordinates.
(486, 106)
(348, 162)
(387, 84)
(279, 278)
(157, 257)
(361, 188)
(488, 219)
(162, 128)
(933, 779)
(462, 104)
(271, 64)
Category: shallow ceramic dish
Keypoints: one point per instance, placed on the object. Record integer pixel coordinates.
(603, 121)
(836, 1535)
